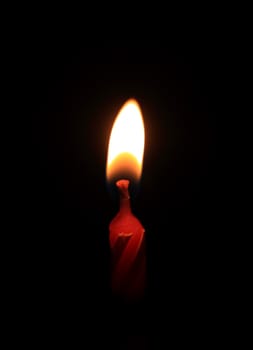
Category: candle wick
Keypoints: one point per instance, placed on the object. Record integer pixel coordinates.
(124, 195)
(123, 188)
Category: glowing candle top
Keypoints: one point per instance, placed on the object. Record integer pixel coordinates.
(126, 145)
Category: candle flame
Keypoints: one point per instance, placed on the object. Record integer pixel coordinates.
(126, 144)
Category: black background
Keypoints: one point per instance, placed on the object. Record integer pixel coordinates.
(73, 90)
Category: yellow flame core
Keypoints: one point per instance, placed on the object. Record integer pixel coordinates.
(126, 145)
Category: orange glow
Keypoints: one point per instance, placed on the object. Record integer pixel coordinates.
(126, 145)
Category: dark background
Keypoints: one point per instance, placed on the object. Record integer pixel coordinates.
(73, 91)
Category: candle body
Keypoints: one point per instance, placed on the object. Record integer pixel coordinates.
(128, 255)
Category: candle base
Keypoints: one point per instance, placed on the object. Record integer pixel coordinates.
(128, 280)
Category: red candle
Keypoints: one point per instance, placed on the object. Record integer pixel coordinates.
(126, 233)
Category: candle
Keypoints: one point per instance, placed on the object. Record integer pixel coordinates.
(126, 233)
